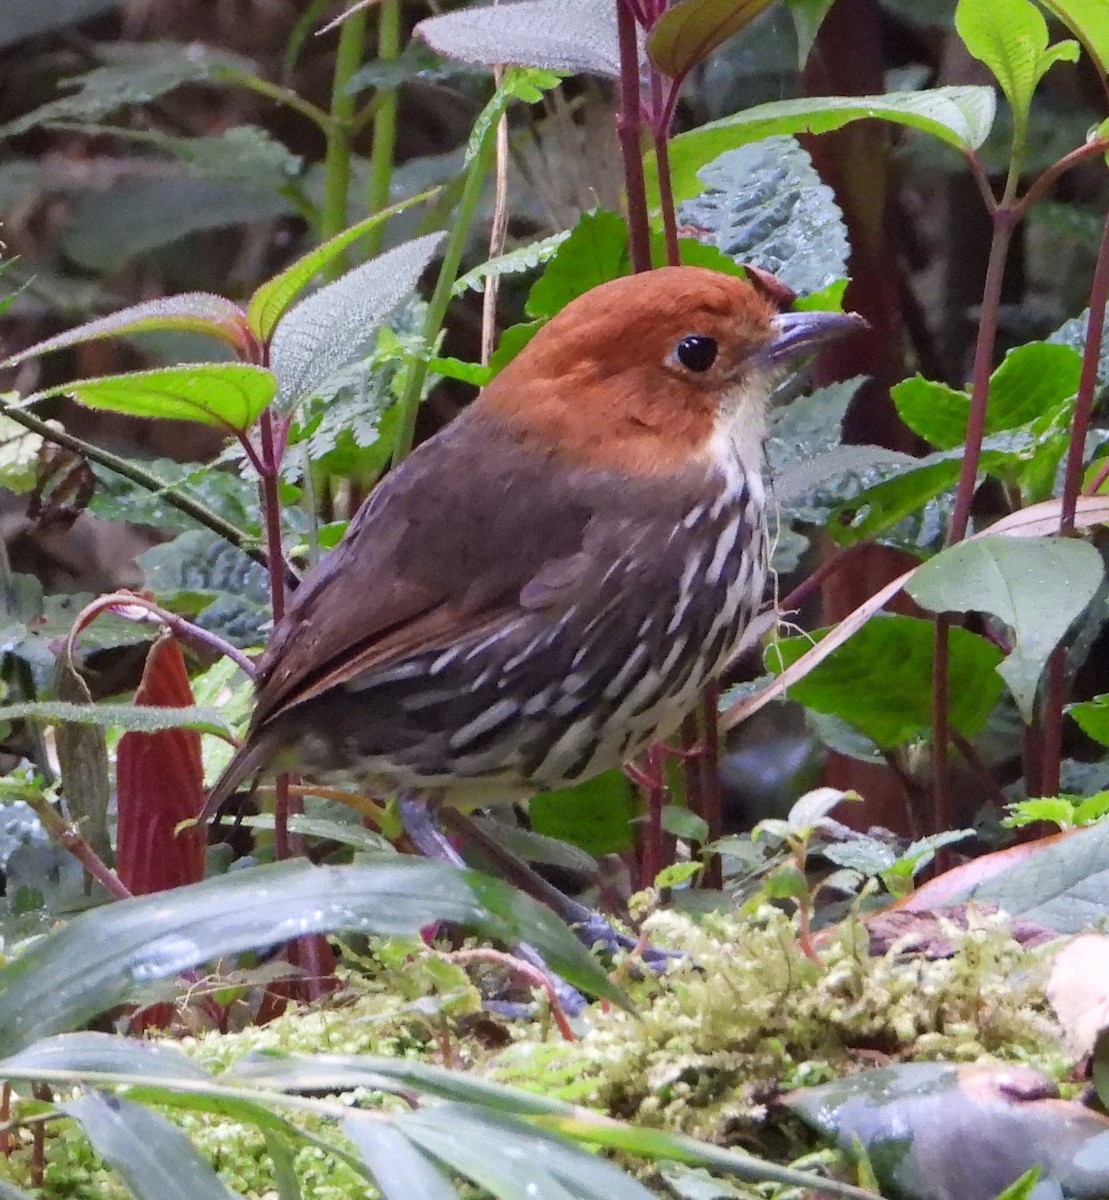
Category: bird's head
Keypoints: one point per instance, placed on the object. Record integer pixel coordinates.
(640, 373)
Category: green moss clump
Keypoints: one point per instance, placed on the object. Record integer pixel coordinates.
(746, 1015)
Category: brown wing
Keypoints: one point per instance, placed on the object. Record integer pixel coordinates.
(441, 550)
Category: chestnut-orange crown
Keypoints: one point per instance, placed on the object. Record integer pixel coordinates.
(634, 373)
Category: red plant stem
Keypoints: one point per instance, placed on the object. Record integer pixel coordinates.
(271, 513)
(1055, 693)
(70, 840)
(1098, 479)
(628, 128)
(660, 134)
(1087, 384)
(1003, 225)
(943, 811)
(518, 966)
(1004, 221)
(1049, 177)
(1051, 721)
(712, 808)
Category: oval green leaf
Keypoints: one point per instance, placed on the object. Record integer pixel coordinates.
(193, 312)
(108, 956)
(1036, 586)
(691, 30)
(229, 396)
(960, 116)
(269, 302)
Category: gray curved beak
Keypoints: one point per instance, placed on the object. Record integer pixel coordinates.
(797, 334)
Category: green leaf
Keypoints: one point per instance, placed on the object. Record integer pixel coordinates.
(229, 396)
(519, 83)
(270, 301)
(1093, 718)
(879, 508)
(677, 873)
(106, 957)
(933, 410)
(193, 312)
(107, 1053)
(1036, 586)
(155, 1159)
(136, 74)
(595, 252)
(328, 330)
(523, 258)
(558, 35)
(684, 823)
(808, 16)
(689, 31)
(513, 1159)
(401, 1170)
(960, 116)
(108, 229)
(764, 204)
(809, 812)
(1088, 20)
(594, 816)
(857, 682)
(28, 18)
(137, 719)
(1032, 380)
(1010, 37)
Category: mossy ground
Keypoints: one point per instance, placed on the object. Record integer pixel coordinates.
(743, 1015)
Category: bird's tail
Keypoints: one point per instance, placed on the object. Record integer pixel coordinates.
(250, 758)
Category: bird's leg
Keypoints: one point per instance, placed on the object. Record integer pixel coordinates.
(590, 926)
(425, 834)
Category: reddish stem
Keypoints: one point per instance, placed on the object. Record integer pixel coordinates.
(712, 806)
(628, 128)
(532, 974)
(833, 563)
(70, 840)
(942, 808)
(1055, 692)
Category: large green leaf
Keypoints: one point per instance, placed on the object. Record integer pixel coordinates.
(154, 1158)
(136, 73)
(109, 228)
(328, 330)
(765, 205)
(144, 719)
(229, 396)
(1010, 37)
(1093, 718)
(193, 312)
(104, 958)
(595, 816)
(960, 116)
(269, 302)
(1036, 586)
(881, 680)
(401, 1170)
(510, 1158)
(689, 31)
(595, 252)
(27, 18)
(1032, 380)
(1088, 20)
(556, 35)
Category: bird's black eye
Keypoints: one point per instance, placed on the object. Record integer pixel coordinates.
(697, 352)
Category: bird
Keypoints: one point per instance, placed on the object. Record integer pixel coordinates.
(545, 586)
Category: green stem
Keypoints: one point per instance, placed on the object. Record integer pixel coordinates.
(286, 96)
(348, 57)
(448, 273)
(181, 501)
(385, 121)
